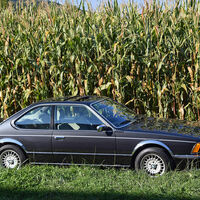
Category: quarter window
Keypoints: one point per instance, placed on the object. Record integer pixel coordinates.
(38, 118)
(75, 118)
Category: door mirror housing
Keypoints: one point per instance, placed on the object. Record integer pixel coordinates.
(103, 127)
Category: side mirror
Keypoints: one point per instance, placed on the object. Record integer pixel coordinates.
(102, 128)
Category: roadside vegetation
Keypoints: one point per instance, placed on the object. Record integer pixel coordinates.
(147, 58)
(3, 4)
(74, 183)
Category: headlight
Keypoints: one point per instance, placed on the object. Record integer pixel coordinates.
(196, 148)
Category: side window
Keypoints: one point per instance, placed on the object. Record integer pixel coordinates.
(38, 118)
(75, 118)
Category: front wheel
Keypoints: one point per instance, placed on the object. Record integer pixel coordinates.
(154, 161)
(11, 157)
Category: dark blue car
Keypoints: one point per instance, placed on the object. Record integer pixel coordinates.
(96, 131)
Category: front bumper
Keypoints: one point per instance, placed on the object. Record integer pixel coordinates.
(187, 157)
(186, 161)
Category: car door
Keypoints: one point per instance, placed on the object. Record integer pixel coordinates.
(76, 139)
(34, 131)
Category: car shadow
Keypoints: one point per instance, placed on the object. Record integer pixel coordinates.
(12, 194)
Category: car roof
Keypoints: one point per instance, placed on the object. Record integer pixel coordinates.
(73, 99)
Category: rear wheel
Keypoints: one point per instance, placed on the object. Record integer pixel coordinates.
(11, 157)
(154, 161)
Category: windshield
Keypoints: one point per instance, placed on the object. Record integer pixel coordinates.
(117, 114)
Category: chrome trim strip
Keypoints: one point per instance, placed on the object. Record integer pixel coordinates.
(12, 141)
(152, 142)
(65, 136)
(73, 153)
(126, 138)
(100, 137)
(175, 140)
(92, 165)
(153, 139)
(187, 156)
(26, 135)
(91, 154)
(35, 152)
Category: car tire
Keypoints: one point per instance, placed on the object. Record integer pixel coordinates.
(154, 161)
(11, 157)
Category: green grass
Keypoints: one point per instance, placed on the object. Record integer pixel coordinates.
(50, 182)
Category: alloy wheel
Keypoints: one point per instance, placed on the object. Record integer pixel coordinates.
(153, 164)
(10, 159)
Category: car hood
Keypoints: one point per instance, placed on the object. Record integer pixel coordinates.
(173, 126)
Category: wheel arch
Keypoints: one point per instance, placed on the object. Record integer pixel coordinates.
(10, 141)
(147, 144)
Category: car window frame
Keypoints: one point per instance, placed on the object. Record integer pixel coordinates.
(53, 104)
(82, 105)
(29, 110)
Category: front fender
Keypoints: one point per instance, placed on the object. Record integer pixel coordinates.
(152, 142)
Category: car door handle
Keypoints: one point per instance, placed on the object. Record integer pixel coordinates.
(59, 137)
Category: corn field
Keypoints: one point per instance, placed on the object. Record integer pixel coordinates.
(147, 58)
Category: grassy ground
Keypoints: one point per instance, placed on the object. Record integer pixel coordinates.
(50, 182)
